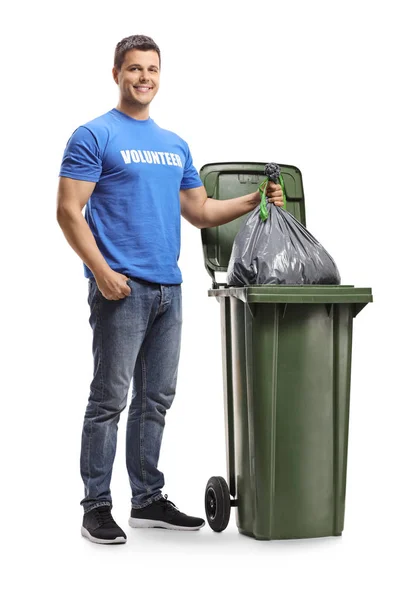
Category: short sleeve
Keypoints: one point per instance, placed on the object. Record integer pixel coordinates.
(190, 178)
(82, 157)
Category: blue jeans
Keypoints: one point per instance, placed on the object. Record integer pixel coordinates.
(136, 337)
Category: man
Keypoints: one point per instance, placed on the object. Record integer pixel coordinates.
(135, 180)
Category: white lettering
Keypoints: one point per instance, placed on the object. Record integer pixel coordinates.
(151, 157)
(126, 156)
(135, 156)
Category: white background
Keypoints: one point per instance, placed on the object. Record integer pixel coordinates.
(311, 84)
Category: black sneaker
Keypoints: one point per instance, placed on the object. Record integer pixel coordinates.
(163, 513)
(99, 527)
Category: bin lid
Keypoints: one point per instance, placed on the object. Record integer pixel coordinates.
(230, 180)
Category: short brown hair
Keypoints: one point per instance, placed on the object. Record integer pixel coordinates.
(134, 42)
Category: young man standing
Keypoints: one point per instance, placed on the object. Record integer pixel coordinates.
(135, 180)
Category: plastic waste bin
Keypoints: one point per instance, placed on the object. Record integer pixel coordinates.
(286, 373)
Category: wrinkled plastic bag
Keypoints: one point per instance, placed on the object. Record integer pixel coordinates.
(273, 247)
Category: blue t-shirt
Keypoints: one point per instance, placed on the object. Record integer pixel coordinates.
(134, 210)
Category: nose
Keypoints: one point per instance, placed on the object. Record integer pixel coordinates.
(144, 76)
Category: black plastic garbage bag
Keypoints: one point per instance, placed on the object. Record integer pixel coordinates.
(272, 247)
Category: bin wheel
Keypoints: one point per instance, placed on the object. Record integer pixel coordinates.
(217, 503)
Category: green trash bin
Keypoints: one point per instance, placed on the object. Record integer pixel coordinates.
(286, 369)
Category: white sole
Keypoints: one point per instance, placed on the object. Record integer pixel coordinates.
(147, 523)
(86, 534)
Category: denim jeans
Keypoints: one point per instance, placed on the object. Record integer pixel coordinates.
(137, 337)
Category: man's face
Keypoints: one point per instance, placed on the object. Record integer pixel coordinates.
(139, 76)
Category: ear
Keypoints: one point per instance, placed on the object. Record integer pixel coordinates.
(115, 74)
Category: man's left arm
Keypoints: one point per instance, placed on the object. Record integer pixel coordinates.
(202, 211)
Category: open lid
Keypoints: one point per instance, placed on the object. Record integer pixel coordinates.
(230, 180)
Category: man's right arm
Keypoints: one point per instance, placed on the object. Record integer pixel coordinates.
(73, 194)
(71, 198)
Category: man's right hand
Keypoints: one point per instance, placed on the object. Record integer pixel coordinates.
(113, 285)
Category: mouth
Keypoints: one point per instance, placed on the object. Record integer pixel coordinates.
(143, 89)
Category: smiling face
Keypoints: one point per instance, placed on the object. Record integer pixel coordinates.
(138, 80)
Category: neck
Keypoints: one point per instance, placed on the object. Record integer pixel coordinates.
(141, 113)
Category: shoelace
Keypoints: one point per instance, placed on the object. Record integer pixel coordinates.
(168, 504)
(104, 516)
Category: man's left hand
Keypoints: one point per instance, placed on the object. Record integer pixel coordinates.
(274, 193)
